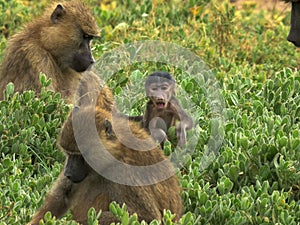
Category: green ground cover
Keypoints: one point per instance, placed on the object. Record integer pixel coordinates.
(255, 176)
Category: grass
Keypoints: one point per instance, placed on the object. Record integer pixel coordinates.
(255, 176)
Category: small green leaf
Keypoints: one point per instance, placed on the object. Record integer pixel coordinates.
(50, 108)
(202, 197)
(189, 87)
(234, 172)
(43, 78)
(7, 162)
(112, 208)
(125, 218)
(283, 142)
(244, 142)
(234, 99)
(9, 91)
(118, 90)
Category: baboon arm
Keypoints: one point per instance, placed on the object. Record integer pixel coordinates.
(183, 117)
(147, 116)
(185, 122)
(181, 136)
(56, 201)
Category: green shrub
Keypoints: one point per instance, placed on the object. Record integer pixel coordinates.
(30, 160)
(254, 178)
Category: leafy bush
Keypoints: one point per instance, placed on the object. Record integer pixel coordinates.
(28, 130)
(254, 178)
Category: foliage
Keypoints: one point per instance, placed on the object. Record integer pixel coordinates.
(254, 178)
(28, 130)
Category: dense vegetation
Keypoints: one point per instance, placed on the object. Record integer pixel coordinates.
(254, 178)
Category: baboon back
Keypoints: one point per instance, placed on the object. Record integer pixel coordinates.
(57, 44)
(148, 201)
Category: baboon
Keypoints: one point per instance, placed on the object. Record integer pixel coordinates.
(80, 187)
(294, 34)
(57, 44)
(88, 90)
(163, 109)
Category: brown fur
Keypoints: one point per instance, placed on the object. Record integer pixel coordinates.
(89, 88)
(48, 45)
(158, 120)
(172, 115)
(147, 201)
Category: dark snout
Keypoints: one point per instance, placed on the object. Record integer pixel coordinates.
(76, 168)
(294, 34)
(82, 61)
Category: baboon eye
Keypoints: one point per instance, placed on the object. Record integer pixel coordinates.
(86, 36)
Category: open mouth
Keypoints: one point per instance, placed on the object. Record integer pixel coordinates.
(160, 105)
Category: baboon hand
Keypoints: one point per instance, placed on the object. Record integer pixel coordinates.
(108, 128)
(181, 134)
(158, 135)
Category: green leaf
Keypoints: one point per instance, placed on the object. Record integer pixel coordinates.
(125, 218)
(43, 79)
(234, 172)
(9, 91)
(50, 108)
(202, 197)
(224, 185)
(283, 142)
(112, 208)
(7, 163)
(234, 99)
(244, 141)
(118, 90)
(189, 87)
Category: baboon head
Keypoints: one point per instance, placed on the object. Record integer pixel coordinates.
(160, 87)
(76, 168)
(67, 36)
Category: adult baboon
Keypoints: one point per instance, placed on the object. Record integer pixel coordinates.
(294, 34)
(80, 187)
(57, 44)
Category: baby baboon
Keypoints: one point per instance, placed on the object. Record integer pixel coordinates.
(163, 109)
(80, 187)
(57, 44)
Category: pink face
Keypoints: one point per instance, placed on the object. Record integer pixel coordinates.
(160, 94)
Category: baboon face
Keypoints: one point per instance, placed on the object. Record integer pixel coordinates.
(83, 58)
(160, 94)
(69, 34)
(160, 88)
(76, 168)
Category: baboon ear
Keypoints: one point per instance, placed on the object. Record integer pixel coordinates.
(58, 13)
